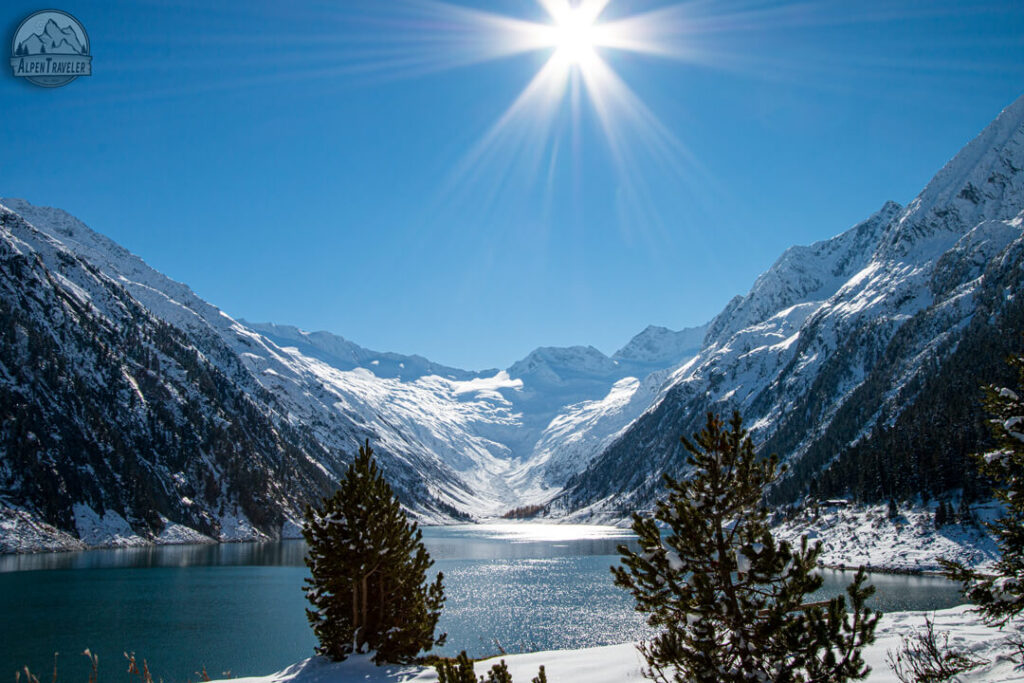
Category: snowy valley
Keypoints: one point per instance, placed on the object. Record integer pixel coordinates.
(455, 443)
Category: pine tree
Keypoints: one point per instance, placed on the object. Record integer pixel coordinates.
(368, 572)
(460, 670)
(728, 600)
(941, 516)
(964, 515)
(1000, 596)
(498, 674)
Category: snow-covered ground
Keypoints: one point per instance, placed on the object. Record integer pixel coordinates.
(966, 632)
(24, 532)
(618, 663)
(864, 535)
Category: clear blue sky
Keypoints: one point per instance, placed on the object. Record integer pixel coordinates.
(306, 163)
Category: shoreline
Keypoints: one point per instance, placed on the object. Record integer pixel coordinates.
(851, 537)
(150, 546)
(870, 569)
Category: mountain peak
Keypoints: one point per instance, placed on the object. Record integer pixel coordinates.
(982, 182)
(557, 362)
(661, 345)
(805, 273)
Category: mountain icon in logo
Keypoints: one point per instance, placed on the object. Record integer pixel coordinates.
(50, 48)
(53, 40)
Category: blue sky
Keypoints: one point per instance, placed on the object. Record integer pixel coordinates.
(310, 163)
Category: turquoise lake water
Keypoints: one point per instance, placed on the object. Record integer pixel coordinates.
(240, 607)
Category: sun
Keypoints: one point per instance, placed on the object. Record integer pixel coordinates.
(576, 88)
(574, 36)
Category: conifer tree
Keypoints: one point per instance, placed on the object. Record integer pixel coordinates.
(941, 515)
(460, 670)
(964, 515)
(1000, 595)
(727, 599)
(368, 572)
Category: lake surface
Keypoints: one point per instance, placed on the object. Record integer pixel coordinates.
(240, 607)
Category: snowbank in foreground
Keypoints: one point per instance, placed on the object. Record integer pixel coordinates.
(618, 663)
(864, 535)
(966, 632)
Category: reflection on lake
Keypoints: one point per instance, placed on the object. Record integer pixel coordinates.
(459, 542)
(240, 607)
(283, 554)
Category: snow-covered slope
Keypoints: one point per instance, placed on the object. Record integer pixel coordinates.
(573, 401)
(542, 419)
(343, 354)
(803, 275)
(513, 436)
(864, 535)
(866, 314)
(116, 428)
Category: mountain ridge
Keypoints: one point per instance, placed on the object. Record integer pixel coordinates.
(451, 440)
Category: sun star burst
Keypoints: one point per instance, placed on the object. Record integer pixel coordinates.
(574, 37)
(542, 138)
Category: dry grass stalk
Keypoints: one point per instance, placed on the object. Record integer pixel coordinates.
(925, 657)
(94, 661)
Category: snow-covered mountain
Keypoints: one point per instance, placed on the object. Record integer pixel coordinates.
(131, 408)
(452, 441)
(512, 436)
(835, 340)
(662, 346)
(343, 354)
(115, 425)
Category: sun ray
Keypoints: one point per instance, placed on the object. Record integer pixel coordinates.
(630, 128)
(521, 137)
(584, 41)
